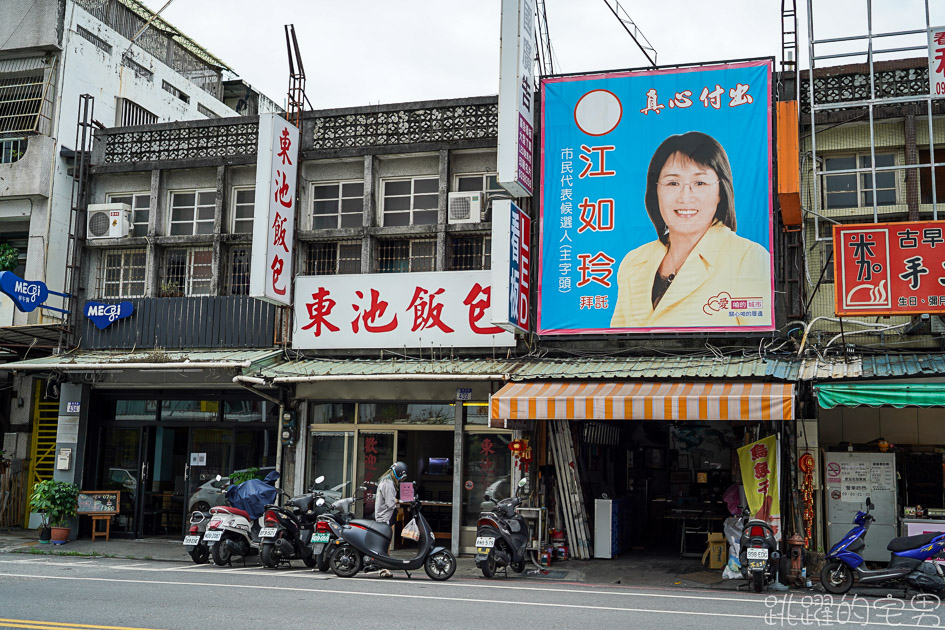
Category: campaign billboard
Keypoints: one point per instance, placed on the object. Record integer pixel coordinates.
(889, 268)
(511, 265)
(656, 201)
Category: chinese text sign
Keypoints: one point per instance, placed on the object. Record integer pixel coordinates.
(889, 268)
(274, 210)
(656, 201)
(414, 310)
(516, 109)
(759, 467)
(937, 61)
(511, 265)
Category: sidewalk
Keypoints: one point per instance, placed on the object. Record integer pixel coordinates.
(654, 570)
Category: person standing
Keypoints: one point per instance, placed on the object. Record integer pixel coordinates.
(385, 500)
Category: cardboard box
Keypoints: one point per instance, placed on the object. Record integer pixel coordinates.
(718, 550)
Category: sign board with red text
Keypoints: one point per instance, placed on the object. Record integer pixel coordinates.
(889, 268)
(447, 309)
(516, 96)
(274, 211)
(937, 61)
(511, 265)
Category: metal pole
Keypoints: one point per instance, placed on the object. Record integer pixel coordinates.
(459, 419)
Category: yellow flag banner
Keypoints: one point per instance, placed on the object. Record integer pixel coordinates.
(759, 464)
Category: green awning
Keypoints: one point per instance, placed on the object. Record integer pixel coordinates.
(879, 394)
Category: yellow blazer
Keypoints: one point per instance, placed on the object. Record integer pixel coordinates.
(722, 266)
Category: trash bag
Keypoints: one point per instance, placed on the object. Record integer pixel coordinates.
(732, 528)
(411, 530)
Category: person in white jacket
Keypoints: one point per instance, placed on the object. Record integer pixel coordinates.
(385, 500)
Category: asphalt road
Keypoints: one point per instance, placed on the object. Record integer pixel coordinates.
(47, 592)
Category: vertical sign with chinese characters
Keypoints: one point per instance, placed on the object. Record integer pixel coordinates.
(656, 201)
(516, 109)
(759, 466)
(937, 61)
(511, 265)
(274, 210)
(447, 309)
(889, 268)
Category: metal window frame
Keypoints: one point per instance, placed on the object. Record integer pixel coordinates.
(340, 183)
(413, 180)
(336, 256)
(170, 207)
(858, 172)
(113, 198)
(232, 273)
(411, 256)
(125, 268)
(485, 255)
(189, 264)
(233, 206)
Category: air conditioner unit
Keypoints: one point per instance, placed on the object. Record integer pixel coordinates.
(108, 220)
(464, 207)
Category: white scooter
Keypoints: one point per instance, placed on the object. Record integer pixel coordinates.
(234, 531)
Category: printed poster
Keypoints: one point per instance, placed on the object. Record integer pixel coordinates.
(758, 462)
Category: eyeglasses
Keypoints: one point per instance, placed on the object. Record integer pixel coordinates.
(697, 187)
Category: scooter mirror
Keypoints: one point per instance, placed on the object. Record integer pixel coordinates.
(523, 482)
(320, 502)
(320, 479)
(869, 503)
(218, 477)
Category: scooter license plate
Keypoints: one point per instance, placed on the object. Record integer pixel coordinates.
(485, 541)
(267, 532)
(754, 553)
(191, 540)
(321, 538)
(213, 535)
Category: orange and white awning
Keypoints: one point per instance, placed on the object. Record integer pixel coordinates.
(717, 400)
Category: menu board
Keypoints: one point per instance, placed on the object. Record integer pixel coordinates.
(99, 502)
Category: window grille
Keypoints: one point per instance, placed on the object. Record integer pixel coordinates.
(337, 204)
(123, 273)
(853, 190)
(237, 270)
(96, 41)
(398, 256)
(140, 209)
(130, 114)
(206, 111)
(326, 259)
(244, 200)
(22, 100)
(413, 201)
(12, 149)
(192, 212)
(187, 271)
(137, 68)
(468, 253)
(182, 95)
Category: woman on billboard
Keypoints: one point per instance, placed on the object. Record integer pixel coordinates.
(698, 265)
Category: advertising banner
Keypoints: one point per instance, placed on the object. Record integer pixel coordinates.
(511, 265)
(446, 309)
(889, 268)
(656, 201)
(937, 61)
(759, 465)
(274, 211)
(516, 93)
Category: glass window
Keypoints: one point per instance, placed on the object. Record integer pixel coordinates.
(326, 259)
(399, 256)
(202, 410)
(140, 209)
(488, 465)
(332, 413)
(238, 270)
(187, 271)
(337, 205)
(331, 458)
(244, 201)
(852, 190)
(122, 273)
(135, 410)
(470, 253)
(477, 414)
(255, 448)
(375, 454)
(243, 410)
(192, 212)
(405, 413)
(411, 201)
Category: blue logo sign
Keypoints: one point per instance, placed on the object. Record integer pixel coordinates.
(102, 315)
(25, 294)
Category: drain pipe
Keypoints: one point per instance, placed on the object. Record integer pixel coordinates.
(248, 382)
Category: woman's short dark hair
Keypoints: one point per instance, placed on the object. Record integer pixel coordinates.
(704, 150)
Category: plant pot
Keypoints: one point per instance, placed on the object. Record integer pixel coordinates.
(44, 535)
(59, 535)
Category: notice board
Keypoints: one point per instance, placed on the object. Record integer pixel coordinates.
(99, 502)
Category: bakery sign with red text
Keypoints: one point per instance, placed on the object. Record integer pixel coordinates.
(889, 268)
(413, 310)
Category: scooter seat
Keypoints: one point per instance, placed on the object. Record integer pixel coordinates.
(231, 510)
(905, 543)
(382, 529)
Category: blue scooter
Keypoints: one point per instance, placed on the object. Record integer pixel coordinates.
(906, 564)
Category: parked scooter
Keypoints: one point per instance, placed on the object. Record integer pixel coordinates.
(234, 529)
(907, 562)
(198, 548)
(502, 536)
(759, 556)
(287, 530)
(361, 537)
(339, 513)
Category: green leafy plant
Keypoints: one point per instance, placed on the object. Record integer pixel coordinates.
(244, 475)
(57, 501)
(9, 257)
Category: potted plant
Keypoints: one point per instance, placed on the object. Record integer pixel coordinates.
(57, 501)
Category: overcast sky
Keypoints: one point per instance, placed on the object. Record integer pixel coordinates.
(360, 52)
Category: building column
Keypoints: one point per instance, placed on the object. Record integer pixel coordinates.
(152, 286)
(912, 175)
(368, 221)
(71, 436)
(443, 205)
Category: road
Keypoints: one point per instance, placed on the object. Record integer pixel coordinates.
(44, 593)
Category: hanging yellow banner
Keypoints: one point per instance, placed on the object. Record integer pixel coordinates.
(759, 464)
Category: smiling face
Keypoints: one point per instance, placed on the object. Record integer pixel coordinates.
(688, 195)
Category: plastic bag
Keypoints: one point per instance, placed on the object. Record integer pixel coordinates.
(732, 527)
(411, 530)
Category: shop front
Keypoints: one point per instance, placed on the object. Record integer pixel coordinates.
(657, 463)
(882, 440)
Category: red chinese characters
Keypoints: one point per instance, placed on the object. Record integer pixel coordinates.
(319, 310)
(478, 300)
(426, 310)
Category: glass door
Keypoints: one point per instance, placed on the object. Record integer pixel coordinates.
(210, 454)
(162, 487)
(120, 469)
(375, 455)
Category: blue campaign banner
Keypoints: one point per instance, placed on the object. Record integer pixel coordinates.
(656, 201)
(26, 294)
(102, 315)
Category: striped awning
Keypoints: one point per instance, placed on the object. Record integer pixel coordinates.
(717, 400)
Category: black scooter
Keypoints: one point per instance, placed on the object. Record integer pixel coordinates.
(339, 513)
(361, 537)
(287, 530)
(758, 555)
(502, 536)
